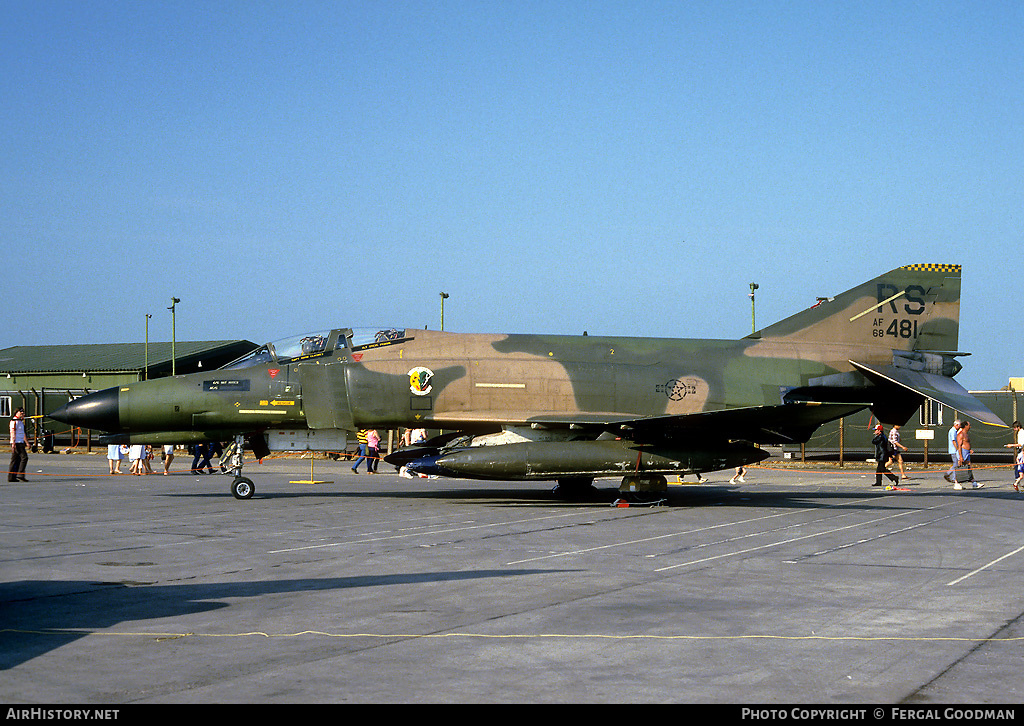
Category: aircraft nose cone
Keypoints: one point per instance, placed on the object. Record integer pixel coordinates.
(99, 411)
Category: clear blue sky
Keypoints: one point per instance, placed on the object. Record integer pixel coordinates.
(620, 168)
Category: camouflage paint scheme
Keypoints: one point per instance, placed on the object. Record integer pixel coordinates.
(574, 407)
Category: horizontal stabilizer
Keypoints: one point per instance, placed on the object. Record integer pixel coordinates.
(931, 385)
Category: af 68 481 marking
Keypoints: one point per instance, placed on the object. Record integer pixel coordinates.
(904, 329)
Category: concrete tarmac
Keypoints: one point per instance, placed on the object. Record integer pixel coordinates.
(797, 587)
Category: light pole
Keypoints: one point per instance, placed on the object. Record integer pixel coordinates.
(174, 301)
(444, 296)
(753, 326)
(145, 375)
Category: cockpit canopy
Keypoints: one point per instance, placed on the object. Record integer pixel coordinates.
(318, 344)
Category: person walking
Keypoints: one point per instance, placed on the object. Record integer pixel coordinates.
(361, 437)
(114, 458)
(897, 449)
(954, 453)
(206, 466)
(882, 454)
(168, 458)
(964, 451)
(135, 452)
(1018, 469)
(1018, 459)
(216, 449)
(19, 447)
(199, 455)
(372, 451)
(147, 457)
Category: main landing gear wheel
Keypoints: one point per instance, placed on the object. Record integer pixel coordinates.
(574, 487)
(242, 488)
(649, 489)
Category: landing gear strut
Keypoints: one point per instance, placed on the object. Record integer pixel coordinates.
(241, 487)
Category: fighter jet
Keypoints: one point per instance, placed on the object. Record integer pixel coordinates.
(571, 408)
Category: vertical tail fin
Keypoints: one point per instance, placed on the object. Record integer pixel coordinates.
(913, 308)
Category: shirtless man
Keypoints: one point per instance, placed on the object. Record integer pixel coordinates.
(963, 445)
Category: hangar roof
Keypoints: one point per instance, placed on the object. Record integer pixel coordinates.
(117, 357)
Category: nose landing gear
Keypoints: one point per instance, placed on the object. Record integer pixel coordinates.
(241, 487)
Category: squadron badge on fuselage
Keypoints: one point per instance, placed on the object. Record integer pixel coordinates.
(419, 380)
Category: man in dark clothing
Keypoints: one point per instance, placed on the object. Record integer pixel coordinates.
(882, 454)
(213, 448)
(19, 447)
(200, 458)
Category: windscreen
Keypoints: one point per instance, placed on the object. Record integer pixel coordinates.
(260, 356)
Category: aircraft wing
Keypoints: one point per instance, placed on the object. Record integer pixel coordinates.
(931, 385)
(784, 424)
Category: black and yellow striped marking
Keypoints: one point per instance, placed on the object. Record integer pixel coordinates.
(955, 269)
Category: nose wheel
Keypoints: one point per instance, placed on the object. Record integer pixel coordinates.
(242, 488)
